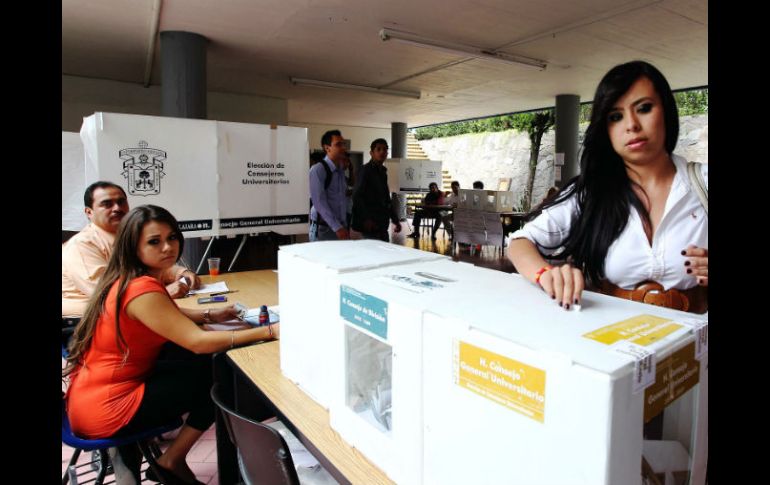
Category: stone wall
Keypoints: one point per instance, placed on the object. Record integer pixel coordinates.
(491, 156)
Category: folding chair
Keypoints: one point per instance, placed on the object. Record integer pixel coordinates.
(263, 455)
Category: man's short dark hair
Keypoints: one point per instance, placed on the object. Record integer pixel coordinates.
(455, 182)
(88, 196)
(327, 138)
(378, 141)
(478, 184)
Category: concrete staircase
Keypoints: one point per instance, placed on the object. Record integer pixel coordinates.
(413, 148)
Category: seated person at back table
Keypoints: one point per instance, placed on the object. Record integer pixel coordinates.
(85, 255)
(450, 198)
(434, 197)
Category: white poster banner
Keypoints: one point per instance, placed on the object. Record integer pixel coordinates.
(431, 172)
(72, 182)
(263, 178)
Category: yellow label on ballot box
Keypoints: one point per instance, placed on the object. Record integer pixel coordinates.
(641, 330)
(505, 381)
(674, 375)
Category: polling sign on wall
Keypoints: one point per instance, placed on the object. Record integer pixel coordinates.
(216, 178)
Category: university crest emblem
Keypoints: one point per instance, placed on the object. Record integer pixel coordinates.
(143, 167)
(409, 173)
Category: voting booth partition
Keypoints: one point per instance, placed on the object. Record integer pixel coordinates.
(441, 373)
(216, 178)
(412, 175)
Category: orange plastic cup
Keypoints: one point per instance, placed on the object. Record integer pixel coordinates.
(214, 266)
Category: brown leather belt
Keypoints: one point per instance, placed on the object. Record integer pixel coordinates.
(694, 300)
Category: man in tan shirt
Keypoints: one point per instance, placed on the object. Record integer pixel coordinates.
(84, 257)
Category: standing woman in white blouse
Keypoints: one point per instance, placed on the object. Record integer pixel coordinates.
(631, 224)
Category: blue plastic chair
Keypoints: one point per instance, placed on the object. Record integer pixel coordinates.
(144, 440)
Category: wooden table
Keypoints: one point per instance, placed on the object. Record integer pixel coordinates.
(516, 219)
(251, 377)
(255, 288)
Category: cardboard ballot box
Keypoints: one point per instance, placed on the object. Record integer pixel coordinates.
(497, 201)
(516, 389)
(308, 291)
(380, 366)
(471, 199)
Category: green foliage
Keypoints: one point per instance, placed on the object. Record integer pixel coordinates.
(585, 112)
(692, 102)
(516, 121)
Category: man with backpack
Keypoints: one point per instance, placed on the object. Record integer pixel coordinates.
(328, 216)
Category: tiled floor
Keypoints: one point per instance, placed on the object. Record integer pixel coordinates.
(486, 256)
(202, 459)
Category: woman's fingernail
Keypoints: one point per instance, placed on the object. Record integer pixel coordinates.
(684, 252)
(687, 263)
(689, 270)
(577, 302)
(566, 306)
(553, 297)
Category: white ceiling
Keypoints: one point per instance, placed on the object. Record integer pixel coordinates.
(257, 45)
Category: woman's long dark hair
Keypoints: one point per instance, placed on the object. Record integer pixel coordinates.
(604, 192)
(124, 265)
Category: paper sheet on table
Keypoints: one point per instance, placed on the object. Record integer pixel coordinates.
(210, 288)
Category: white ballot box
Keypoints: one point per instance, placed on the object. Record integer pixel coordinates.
(516, 389)
(308, 291)
(381, 312)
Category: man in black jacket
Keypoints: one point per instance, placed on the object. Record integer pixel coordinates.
(372, 206)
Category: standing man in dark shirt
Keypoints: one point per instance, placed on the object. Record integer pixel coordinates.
(372, 207)
(328, 216)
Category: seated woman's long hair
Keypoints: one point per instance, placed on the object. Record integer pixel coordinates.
(124, 265)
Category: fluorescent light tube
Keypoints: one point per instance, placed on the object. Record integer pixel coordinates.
(369, 89)
(460, 49)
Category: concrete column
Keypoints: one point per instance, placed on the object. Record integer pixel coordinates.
(566, 136)
(183, 95)
(398, 140)
(183, 72)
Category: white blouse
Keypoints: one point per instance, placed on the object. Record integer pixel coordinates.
(630, 258)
